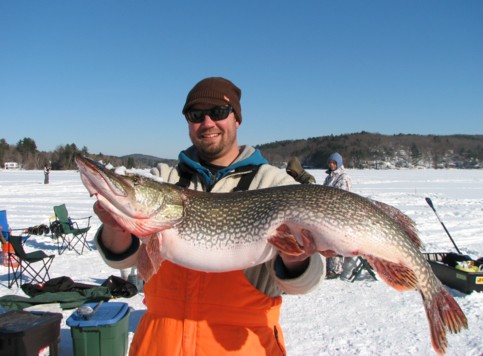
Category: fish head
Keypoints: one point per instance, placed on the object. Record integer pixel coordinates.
(138, 203)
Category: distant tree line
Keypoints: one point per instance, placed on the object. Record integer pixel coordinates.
(360, 150)
(373, 150)
(25, 153)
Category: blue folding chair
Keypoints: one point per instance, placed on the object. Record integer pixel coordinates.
(7, 230)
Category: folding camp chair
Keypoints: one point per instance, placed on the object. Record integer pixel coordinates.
(67, 231)
(21, 263)
(361, 265)
(7, 230)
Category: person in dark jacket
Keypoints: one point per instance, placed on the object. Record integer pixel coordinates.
(46, 174)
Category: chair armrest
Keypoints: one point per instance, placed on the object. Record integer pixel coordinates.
(25, 230)
(88, 218)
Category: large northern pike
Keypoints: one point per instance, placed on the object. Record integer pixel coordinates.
(218, 232)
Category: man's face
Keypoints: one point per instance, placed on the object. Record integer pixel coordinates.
(216, 141)
(332, 165)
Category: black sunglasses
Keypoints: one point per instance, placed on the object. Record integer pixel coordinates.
(216, 114)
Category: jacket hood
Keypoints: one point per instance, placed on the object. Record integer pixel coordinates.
(248, 156)
(337, 158)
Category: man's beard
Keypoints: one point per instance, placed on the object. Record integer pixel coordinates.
(211, 151)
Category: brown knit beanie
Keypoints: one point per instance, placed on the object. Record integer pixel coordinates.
(215, 91)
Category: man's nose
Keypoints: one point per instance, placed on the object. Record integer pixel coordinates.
(207, 121)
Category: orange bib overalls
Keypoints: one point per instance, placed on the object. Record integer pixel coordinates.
(198, 313)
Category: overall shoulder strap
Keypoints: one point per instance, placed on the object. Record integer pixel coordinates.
(185, 176)
(246, 179)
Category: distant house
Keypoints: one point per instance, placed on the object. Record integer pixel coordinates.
(12, 165)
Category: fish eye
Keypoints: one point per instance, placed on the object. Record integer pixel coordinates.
(137, 180)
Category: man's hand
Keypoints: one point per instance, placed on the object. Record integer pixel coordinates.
(295, 257)
(103, 215)
(114, 237)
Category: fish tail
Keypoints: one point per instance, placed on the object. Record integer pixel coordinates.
(443, 313)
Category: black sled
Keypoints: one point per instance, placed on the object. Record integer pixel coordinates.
(450, 269)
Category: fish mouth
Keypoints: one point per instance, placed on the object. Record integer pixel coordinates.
(92, 173)
(122, 197)
(112, 191)
(116, 193)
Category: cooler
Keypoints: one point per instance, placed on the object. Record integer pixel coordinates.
(105, 333)
(29, 333)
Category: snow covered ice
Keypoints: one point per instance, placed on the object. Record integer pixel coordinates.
(366, 317)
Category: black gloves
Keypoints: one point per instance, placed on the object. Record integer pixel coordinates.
(295, 169)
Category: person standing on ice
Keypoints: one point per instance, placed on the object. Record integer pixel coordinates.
(337, 177)
(46, 174)
(191, 312)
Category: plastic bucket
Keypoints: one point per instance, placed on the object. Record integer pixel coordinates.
(104, 334)
(6, 259)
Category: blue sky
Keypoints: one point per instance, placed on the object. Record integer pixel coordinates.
(113, 75)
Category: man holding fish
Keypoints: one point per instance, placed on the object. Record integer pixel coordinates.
(218, 290)
(193, 312)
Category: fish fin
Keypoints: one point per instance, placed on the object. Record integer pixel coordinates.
(153, 249)
(308, 241)
(285, 241)
(443, 313)
(396, 275)
(406, 223)
(144, 264)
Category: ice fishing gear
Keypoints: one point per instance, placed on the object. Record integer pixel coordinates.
(430, 203)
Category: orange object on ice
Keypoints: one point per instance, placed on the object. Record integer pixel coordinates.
(6, 258)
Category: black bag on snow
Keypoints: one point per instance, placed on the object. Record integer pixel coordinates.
(119, 287)
(59, 284)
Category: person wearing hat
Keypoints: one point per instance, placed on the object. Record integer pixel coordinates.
(191, 312)
(336, 174)
(337, 177)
